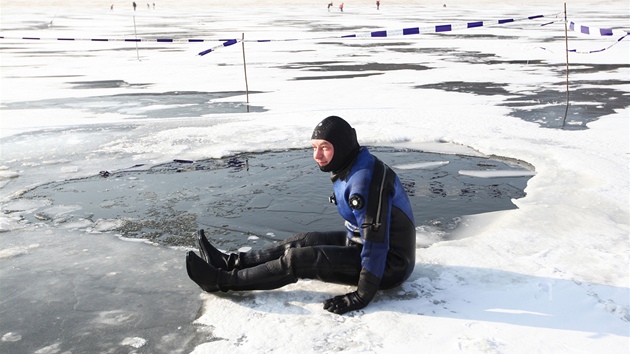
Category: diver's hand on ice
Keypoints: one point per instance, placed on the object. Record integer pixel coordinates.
(345, 303)
(366, 289)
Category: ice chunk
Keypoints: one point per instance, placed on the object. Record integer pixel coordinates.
(135, 342)
(421, 165)
(16, 251)
(11, 337)
(496, 173)
(8, 174)
(104, 225)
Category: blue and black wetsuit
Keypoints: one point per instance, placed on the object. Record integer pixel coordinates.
(378, 215)
(377, 251)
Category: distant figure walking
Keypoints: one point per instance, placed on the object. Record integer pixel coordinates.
(330, 4)
(341, 7)
(134, 6)
(378, 4)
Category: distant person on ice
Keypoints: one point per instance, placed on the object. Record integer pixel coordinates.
(376, 251)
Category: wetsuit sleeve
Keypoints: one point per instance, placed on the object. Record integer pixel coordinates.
(368, 286)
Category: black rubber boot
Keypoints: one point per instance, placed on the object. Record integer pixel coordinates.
(215, 257)
(202, 273)
(270, 275)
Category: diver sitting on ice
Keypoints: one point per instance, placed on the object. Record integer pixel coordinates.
(377, 251)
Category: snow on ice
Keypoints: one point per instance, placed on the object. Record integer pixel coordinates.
(549, 276)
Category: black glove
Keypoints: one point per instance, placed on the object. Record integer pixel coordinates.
(345, 303)
(356, 300)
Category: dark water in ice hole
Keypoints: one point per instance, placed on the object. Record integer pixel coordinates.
(255, 199)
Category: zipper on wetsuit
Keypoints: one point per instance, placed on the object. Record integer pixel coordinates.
(377, 224)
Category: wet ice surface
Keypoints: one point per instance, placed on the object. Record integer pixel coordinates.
(108, 294)
(251, 200)
(86, 293)
(547, 107)
(144, 105)
(544, 104)
(554, 270)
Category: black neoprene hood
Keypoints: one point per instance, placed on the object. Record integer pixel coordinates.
(343, 138)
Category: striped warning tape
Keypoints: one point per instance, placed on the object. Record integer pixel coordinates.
(588, 30)
(596, 31)
(229, 42)
(158, 40)
(392, 33)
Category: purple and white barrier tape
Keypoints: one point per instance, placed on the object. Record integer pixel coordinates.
(393, 33)
(596, 31)
(158, 40)
(375, 34)
(587, 30)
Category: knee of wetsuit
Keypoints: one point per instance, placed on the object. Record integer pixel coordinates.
(297, 239)
(295, 259)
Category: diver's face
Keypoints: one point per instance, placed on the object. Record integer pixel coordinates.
(323, 151)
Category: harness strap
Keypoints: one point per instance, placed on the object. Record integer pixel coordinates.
(377, 209)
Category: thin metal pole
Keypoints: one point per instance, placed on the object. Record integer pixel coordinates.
(245, 70)
(566, 43)
(136, 34)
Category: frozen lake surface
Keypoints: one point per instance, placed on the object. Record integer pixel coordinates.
(507, 261)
